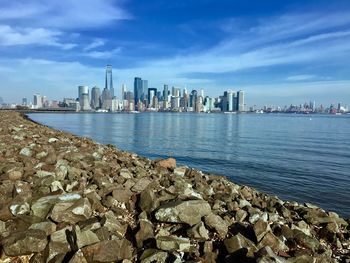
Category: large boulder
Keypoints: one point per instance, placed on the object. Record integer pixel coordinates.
(189, 212)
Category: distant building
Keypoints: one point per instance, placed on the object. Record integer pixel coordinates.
(138, 90)
(152, 92)
(83, 96)
(37, 101)
(95, 98)
(106, 99)
(123, 91)
(24, 102)
(240, 101)
(109, 80)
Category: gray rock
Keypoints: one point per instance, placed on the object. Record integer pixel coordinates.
(146, 231)
(238, 242)
(198, 232)
(273, 242)
(189, 212)
(25, 243)
(216, 222)
(173, 243)
(26, 152)
(71, 212)
(153, 256)
(260, 229)
(85, 238)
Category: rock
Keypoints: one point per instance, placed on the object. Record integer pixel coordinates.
(20, 209)
(85, 238)
(26, 152)
(141, 185)
(59, 244)
(48, 227)
(146, 231)
(180, 171)
(173, 243)
(266, 255)
(51, 140)
(108, 251)
(189, 212)
(273, 242)
(15, 175)
(241, 215)
(239, 242)
(153, 256)
(113, 224)
(216, 222)
(78, 257)
(306, 241)
(260, 229)
(25, 243)
(169, 163)
(71, 212)
(198, 232)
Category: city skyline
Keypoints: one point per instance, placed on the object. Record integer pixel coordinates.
(279, 53)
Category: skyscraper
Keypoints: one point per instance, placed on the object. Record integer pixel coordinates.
(240, 100)
(38, 101)
(138, 91)
(165, 92)
(123, 91)
(151, 93)
(95, 97)
(83, 96)
(230, 98)
(109, 80)
(144, 89)
(106, 99)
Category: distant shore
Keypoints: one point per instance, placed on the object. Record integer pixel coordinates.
(68, 198)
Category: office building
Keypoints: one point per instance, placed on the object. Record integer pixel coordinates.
(240, 101)
(152, 92)
(95, 98)
(106, 99)
(83, 97)
(37, 101)
(138, 90)
(109, 80)
(123, 91)
(24, 102)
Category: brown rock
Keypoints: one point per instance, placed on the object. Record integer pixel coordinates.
(108, 251)
(169, 163)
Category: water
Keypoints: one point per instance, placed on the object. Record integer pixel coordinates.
(293, 156)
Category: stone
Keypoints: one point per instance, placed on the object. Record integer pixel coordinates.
(260, 229)
(71, 212)
(25, 243)
(113, 224)
(85, 238)
(51, 140)
(216, 222)
(47, 226)
(306, 241)
(169, 163)
(241, 215)
(198, 232)
(108, 251)
(141, 185)
(189, 212)
(20, 209)
(153, 256)
(146, 231)
(173, 243)
(239, 242)
(15, 175)
(26, 152)
(180, 171)
(78, 258)
(273, 242)
(266, 255)
(59, 244)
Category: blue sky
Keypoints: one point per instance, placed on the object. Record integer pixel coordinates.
(279, 52)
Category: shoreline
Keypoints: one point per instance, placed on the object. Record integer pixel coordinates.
(78, 199)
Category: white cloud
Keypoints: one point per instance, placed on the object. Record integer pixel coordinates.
(102, 54)
(95, 44)
(67, 14)
(300, 77)
(10, 36)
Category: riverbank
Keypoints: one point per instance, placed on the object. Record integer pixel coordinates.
(65, 198)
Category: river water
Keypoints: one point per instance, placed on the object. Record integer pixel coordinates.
(305, 158)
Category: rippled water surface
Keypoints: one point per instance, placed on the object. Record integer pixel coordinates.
(297, 157)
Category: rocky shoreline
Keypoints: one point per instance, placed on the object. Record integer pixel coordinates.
(69, 199)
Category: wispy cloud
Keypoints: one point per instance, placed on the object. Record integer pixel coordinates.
(102, 54)
(300, 77)
(67, 14)
(10, 36)
(95, 44)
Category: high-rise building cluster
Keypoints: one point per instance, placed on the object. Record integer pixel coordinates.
(145, 98)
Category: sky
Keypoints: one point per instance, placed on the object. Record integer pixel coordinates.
(278, 52)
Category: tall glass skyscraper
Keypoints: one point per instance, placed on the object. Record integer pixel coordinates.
(138, 90)
(109, 80)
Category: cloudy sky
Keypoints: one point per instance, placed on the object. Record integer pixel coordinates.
(279, 52)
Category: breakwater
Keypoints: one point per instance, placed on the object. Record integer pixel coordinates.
(65, 198)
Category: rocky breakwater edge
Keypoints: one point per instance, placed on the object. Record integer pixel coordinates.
(69, 199)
